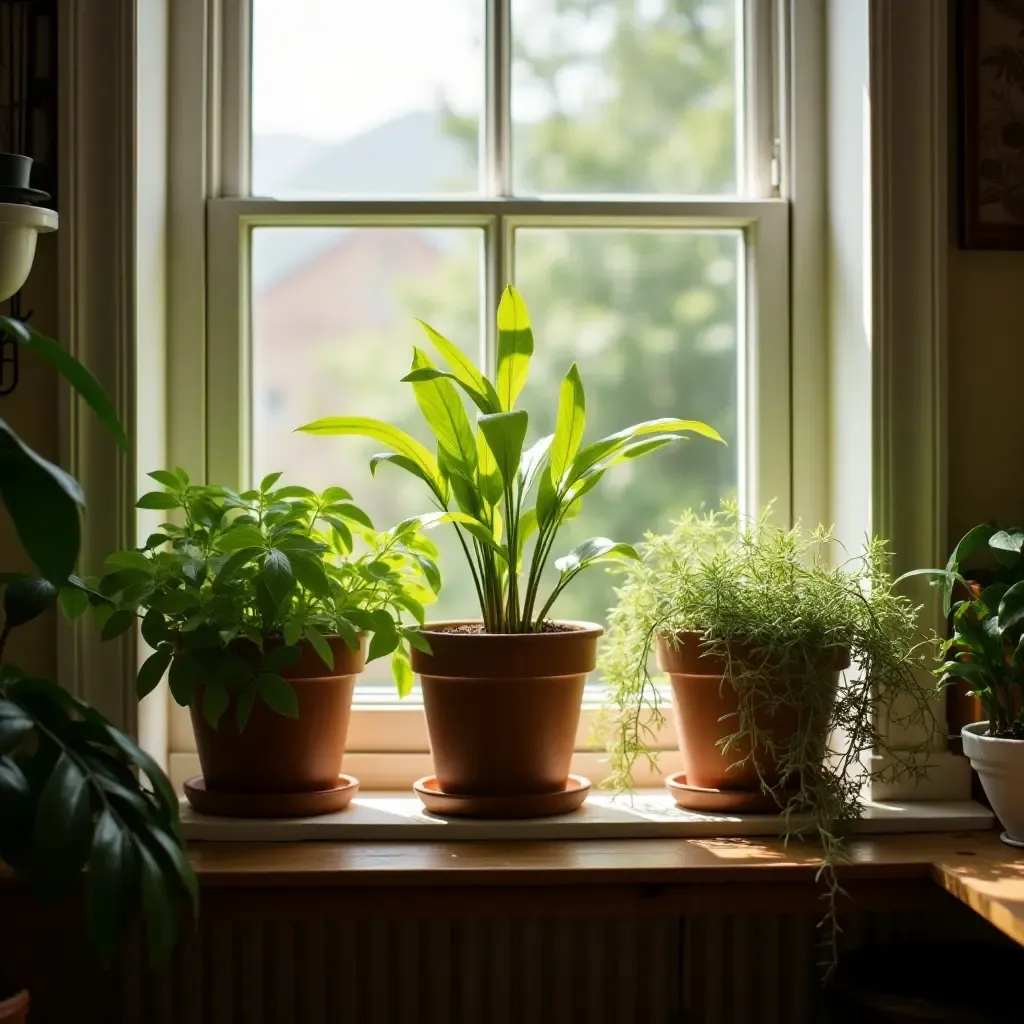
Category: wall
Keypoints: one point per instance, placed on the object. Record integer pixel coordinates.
(32, 411)
(986, 407)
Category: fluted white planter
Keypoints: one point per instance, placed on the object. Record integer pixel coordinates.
(19, 226)
(1000, 766)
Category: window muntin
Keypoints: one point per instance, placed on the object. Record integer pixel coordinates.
(693, 288)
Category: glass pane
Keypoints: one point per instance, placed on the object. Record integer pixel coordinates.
(625, 96)
(652, 320)
(332, 334)
(351, 97)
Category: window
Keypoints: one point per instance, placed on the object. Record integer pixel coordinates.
(367, 164)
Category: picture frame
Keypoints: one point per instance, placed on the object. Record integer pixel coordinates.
(990, 106)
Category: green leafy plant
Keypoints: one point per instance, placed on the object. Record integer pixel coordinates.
(776, 595)
(71, 792)
(986, 648)
(482, 480)
(269, 562)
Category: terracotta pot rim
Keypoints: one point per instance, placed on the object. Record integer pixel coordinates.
(301, 642)
(584, 629)
(504, 656)
(838, 657)
(18, 1001)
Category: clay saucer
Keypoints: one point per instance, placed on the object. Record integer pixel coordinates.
(529, 805)
(271, 805)
(736, 801)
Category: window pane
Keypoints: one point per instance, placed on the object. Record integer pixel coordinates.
(651, 318)
(625, 96)
(351, 97)
(332, 334)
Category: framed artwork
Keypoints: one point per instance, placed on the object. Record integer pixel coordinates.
(990, 59)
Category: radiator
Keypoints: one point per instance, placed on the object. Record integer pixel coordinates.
(706, 970)
(416, 972)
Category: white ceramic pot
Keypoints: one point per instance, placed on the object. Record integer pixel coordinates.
(1000, 766)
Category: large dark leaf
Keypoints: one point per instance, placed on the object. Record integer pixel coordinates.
(15, 725)
(43, 502)
(111, 884)
(162, 788)
(27, 598)
(15, 814)
(72, 371)
(158, 904)
(62, 833)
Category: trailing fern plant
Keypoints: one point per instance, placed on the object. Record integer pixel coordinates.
(777, 595)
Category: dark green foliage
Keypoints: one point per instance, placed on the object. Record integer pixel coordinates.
(74, 791)
(241, 568)
(986, 648)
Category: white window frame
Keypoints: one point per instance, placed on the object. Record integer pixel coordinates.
(132, 244)
(387, 745)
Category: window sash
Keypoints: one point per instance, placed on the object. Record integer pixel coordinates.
(765, 433)
(208, 339)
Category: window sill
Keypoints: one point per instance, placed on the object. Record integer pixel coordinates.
(399, 817)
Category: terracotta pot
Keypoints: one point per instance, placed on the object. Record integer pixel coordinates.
(503, 708)
(705, 707)
(277, 754)
(15, 1009)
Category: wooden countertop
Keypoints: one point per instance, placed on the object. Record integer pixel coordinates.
(680, 875)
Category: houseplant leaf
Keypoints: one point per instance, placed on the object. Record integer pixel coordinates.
(505, 433)
(72, 371)
(515, 347)
(446, 416)
(278, 694)
(398, 440)
(27, 598)
(568, 425)
(464, 371)
(43, 502)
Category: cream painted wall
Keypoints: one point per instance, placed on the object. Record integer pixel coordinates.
(986, 408)
(32, 411)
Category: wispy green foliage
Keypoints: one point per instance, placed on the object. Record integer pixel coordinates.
(777, 593)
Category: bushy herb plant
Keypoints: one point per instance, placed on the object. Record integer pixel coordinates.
(239, 568)
(482, 480)
(772, 604)
(75, 791)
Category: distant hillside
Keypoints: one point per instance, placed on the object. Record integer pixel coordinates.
(410, 155)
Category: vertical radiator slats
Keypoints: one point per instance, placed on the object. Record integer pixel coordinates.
(705, 970)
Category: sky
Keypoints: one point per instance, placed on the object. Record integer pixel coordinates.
(331, 69)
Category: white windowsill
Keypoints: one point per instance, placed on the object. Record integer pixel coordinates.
(396, 817)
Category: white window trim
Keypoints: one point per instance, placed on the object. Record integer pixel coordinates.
(105, 241)
(222, 451)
